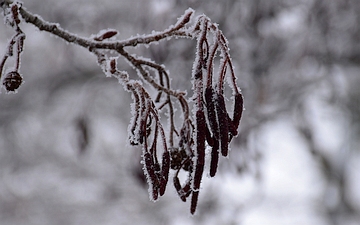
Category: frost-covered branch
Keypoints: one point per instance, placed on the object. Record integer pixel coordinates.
(57, 30)
(207, 124)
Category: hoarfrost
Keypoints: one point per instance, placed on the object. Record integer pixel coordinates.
(191, 136)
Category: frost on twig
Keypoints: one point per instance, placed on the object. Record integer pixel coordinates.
(208, 123)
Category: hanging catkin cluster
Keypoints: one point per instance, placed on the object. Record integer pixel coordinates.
(207, 124)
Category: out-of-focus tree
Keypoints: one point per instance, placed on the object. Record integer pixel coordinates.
(63, 157)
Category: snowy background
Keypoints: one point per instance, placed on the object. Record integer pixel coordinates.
(295, 161)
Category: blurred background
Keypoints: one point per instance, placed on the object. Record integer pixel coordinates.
(64, 154)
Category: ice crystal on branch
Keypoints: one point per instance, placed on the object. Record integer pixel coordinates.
(208, 123)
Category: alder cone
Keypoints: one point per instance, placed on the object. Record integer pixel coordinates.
(12, 81)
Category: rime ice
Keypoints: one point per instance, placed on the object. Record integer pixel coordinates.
(205, 123)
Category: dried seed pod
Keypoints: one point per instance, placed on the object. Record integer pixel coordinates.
(223, 124)
(12, 81)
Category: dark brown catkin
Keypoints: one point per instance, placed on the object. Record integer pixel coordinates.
(165, 168)
(238, 109)
(153, 182)
(200, 159)
(223, 124)
(211, 113)
(214, 159)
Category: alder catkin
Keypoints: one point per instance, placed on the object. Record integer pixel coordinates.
(210, 108)
(200, 159)
(152, 179)
(223, 124)
(211, 113)
(238, 109)
(194, 200)
(165, 168)
(214, 158)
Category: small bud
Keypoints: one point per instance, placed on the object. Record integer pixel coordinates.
(106, 35)
(113, 65)
(12, 81)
